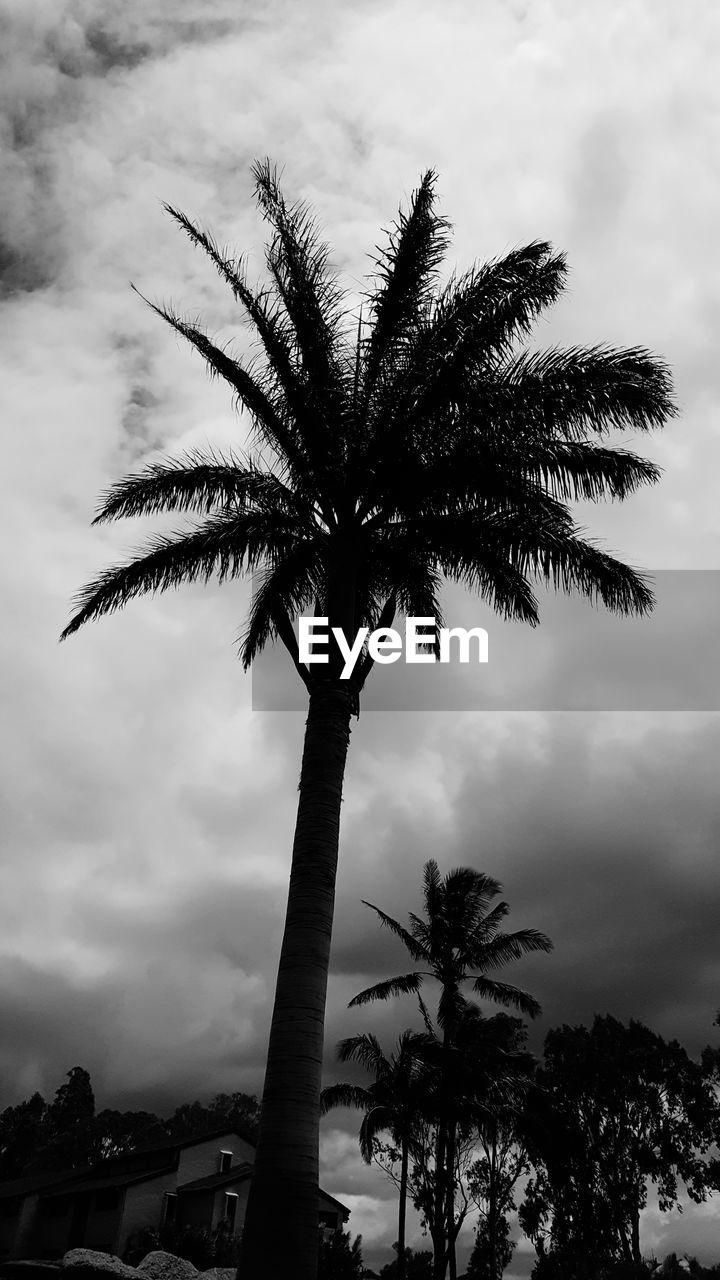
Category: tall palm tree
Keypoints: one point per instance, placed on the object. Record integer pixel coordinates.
(392, 1103)
(461, 933)
(390, 451)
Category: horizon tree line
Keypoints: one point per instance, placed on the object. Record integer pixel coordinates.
(460, 1113)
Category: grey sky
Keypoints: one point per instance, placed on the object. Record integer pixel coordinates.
(148, 813)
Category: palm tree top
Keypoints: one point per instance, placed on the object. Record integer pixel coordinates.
(459, 940)
(389, 452)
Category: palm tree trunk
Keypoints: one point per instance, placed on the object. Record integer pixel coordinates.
(284, 1185)
(402, 1210)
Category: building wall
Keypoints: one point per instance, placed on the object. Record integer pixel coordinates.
(9, 1218)
(242, 1189)
(197, 1211)
(143, 1206)
(326, 1206)
(200, 1160)
(52, 1227)
(25, 1227)
(103, 1225)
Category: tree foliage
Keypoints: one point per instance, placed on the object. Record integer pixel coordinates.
(627, 1109)
(36, 1137)
(481, 1068)
(340, 1256)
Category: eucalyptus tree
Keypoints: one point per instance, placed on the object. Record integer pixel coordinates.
(387, 452)
(393, 1103)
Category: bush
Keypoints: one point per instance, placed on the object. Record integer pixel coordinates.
(203, 1248)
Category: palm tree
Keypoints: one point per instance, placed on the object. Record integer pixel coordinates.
(388, 450)
(392, 1103)
(461, 932)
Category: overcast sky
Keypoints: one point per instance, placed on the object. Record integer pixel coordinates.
(147, 810)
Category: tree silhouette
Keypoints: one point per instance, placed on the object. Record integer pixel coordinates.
(629, 1108)
(459, 941)
(413, 443)
(392, 1103)
(503, 1159)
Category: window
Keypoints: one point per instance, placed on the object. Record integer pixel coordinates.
(225, 1159)
(328, 1219)
(170, 1209)
(231, 1204)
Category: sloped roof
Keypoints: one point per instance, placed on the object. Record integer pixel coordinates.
(36, 1181)
(117, 1170)
(101, 1175)
(236, 1173)
(220, 1131)
(103, 1184)
(326, 1196)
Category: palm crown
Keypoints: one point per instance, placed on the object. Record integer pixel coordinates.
(461, 933)
(394, 1100)
(416, 444)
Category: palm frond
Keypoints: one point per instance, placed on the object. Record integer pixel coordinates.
(364, 1049)
(581, 471)
(226, 545)
(297, 261)
(475, 321)
(566, 393)
(406, 984)
(406, 270)
(503, 947)
(276, 334)
(269, 416)
(506, 994)
(344, 1095)
(195, 482)
(415, 950)
(543, 543)
(432, 889)
(379, 1119)
(282, 590)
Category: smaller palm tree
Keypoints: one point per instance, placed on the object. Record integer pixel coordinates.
(393, 1103)
(461, 933)
(459, 941)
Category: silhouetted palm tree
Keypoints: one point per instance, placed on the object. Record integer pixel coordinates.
(461, 933)
(411, 444)
(393, 1103)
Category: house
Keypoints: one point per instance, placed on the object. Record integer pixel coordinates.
(194, 1182)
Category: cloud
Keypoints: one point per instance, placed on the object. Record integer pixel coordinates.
(148, 812)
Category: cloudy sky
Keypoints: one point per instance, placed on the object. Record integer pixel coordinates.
(147, 809)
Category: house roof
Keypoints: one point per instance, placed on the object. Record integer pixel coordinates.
(118, 1170)
(102, 1184)
(236, 1173)
(221, 1131)
(326, 1196)
(37, 1181)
